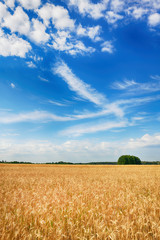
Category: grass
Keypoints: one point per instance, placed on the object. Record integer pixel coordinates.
(55, 202)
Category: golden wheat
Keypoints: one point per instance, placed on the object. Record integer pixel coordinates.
(51, 202)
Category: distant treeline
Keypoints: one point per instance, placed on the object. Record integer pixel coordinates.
(15, 162)
(70, 163)
(90, 163)
(102, 163)
(151, 163)
(61, 162)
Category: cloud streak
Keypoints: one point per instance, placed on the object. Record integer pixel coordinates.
(81, 129)
(116, 108)
(75, 84)
(34, 116)
(134, 87)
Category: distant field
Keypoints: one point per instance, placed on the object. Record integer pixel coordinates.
(58, 202)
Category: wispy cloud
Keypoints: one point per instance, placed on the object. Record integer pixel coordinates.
(81, 129)
(41, 116)
(12, 85)
(43, 79)
(123, 85)
(75, 84)
(93, 127)
(108, 109)
(5, 110)
(31, 64)
(134, 87)
(44, 116)
(107, 46)
(57, 103)
(155, 77)
(116, 108)
(9, 134)
(127, 103)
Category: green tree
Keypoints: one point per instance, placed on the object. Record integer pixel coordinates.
(127, 159)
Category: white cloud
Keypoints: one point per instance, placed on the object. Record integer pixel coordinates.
(3, 11)
(62, 41)
(81, 129)
(86, 7)
(112, 17)
(11, 45)
(77, 85)
(117, 9)
(107, 46)
(12, 85)
(137, 12)
(156, 4)
(154, 19)
(10, 3)
(59, 16)
(117, 5)
(31, 64)
(152, 4)
(54, 26)
(37, 58)
(145, 141)
(91, 32)
(30, 4)
(38, 32)
(80, 151)
(18, 22)
(46, 151)
(78, 47)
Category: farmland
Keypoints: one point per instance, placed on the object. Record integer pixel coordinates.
(55, 202)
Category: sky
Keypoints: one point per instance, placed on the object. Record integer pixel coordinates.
(79, 80)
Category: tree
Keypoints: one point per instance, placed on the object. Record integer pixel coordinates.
(127, 159)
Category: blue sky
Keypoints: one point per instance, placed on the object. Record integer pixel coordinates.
(79, 80)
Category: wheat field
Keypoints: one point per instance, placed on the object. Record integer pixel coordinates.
(55, 202)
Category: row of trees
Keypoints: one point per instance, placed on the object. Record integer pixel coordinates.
(123, 160)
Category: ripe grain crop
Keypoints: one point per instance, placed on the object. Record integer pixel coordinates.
(55, 202)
